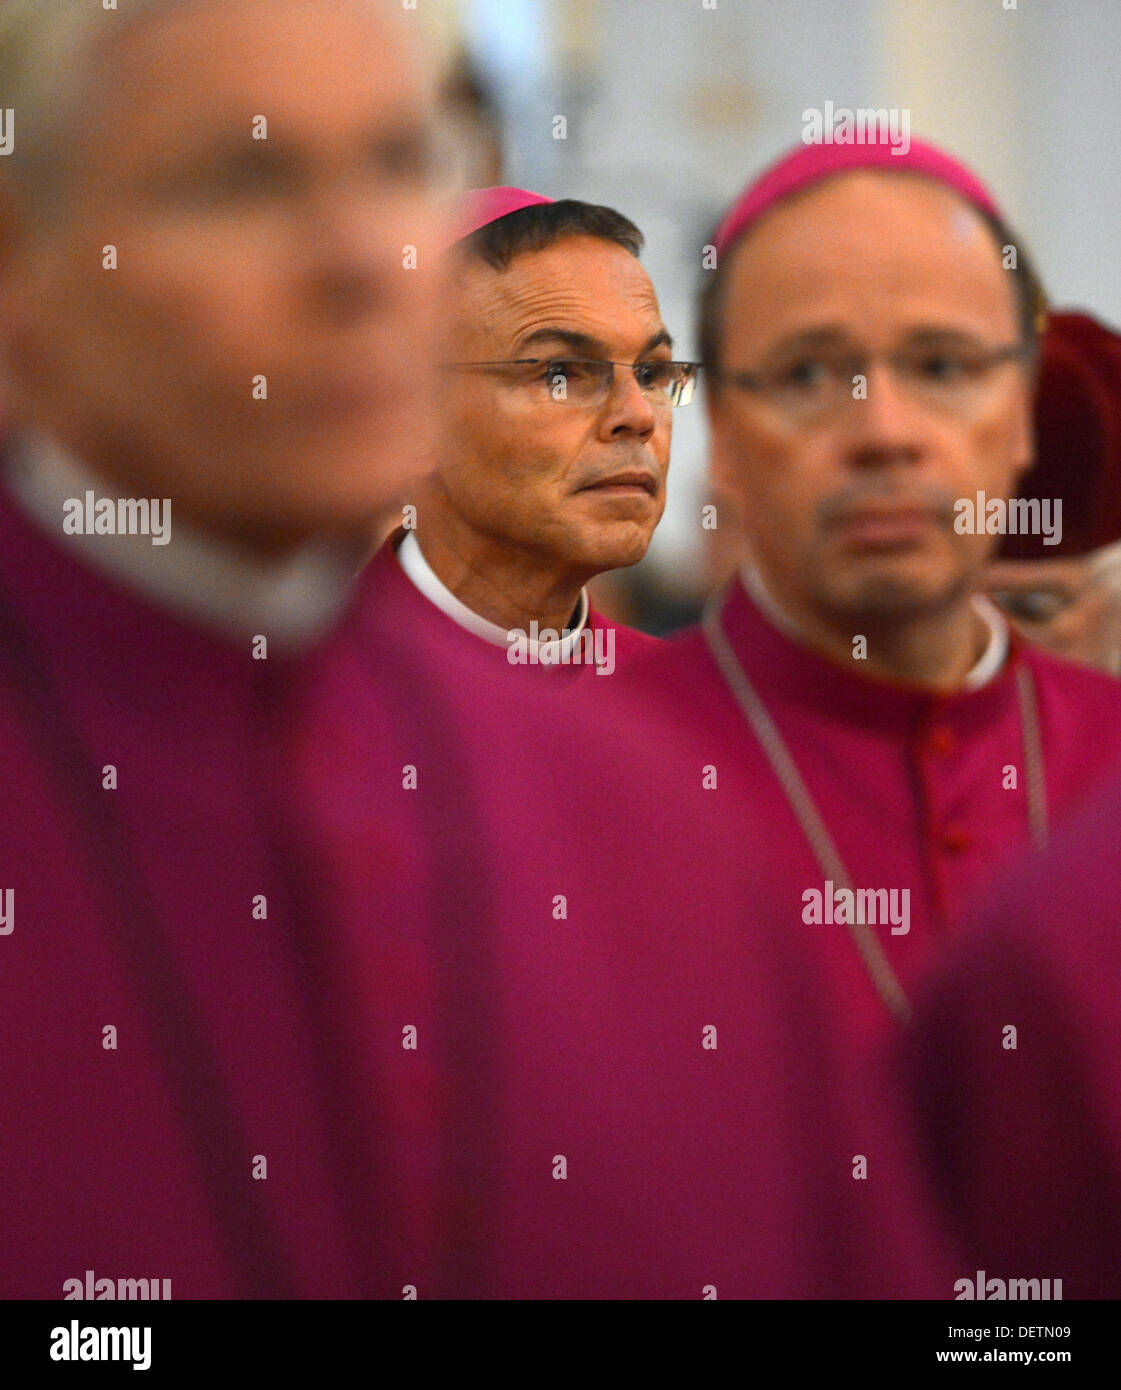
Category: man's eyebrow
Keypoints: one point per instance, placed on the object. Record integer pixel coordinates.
(662, 338)
(226, 147)
(587, 344)
(944, 333)
(828, 336)
(223, 151)
(578, 342)
(813, 337)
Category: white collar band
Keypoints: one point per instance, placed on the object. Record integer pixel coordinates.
(292, 601)
(424, 577)
(990, 662)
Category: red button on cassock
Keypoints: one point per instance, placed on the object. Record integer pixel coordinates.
(941, 740)
(955, 839)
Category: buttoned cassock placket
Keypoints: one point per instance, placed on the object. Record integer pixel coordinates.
(918, 791)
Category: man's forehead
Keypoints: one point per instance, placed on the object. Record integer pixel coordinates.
(207, 65)
(581, 284)
(867, 236)
(871, 198)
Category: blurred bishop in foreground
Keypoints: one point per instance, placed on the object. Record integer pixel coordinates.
(205, 412)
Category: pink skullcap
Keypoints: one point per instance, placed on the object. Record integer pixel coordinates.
(808, 164)
(481, 206)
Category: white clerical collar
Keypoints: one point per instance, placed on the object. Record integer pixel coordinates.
(989, 663)
(291, 601)
(423, 576)
(992, 659)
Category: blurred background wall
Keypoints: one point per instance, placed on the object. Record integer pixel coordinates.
(671, 106)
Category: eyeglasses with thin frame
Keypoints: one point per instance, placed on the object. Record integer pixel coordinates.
(811, 383)
(584, 381)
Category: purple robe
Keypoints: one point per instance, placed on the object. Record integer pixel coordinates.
(185, 910)
(720, 1161)
(1023, 1128)
(910, 784)
(398, 591)
(407, 991)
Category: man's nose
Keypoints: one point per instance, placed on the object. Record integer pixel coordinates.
(884, 423)
(629, 409)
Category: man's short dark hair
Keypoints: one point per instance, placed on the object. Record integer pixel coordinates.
(1031, 302)
(537, 227)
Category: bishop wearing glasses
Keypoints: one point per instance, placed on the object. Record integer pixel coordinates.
(863, 711)
(551, 468)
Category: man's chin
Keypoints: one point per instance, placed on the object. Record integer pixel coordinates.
(610, 547)
(894, 598)
(619, 557)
